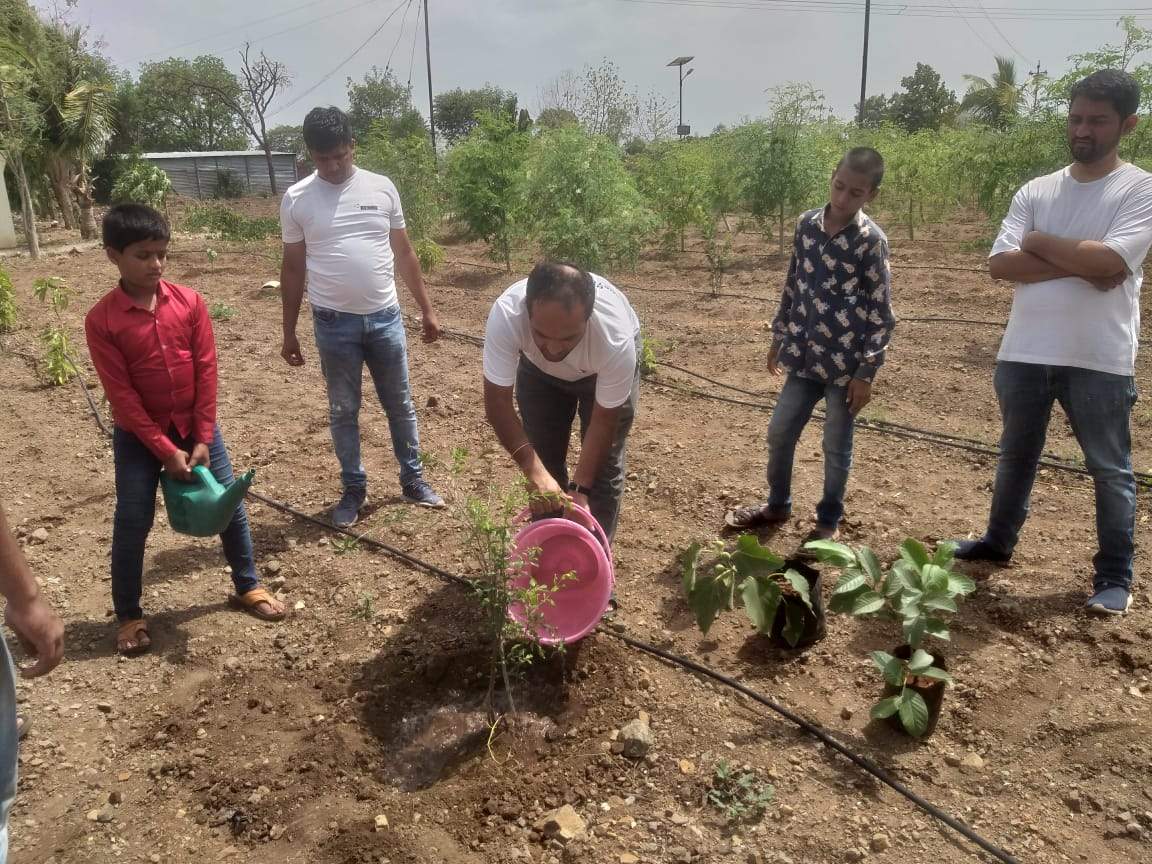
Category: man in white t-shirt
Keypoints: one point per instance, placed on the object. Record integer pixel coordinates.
(343, 227)
(568, 341)
(1074, 243)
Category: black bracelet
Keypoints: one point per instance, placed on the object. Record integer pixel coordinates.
(573, 486)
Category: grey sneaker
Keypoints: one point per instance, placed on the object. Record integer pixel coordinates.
(1110, 600)
(420, 493)
(347, 511)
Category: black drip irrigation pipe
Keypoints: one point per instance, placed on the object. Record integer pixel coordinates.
(808, 726)
(861, 762)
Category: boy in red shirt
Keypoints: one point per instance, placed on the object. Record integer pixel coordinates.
(151, 343)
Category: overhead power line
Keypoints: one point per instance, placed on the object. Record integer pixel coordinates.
(1000, 33)
(906, 10)
(346, 60)
(264, 38)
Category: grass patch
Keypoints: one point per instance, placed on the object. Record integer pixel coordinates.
(225, 223)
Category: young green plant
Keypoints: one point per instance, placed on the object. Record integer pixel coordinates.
(739, 793)
(917, 591)
(57, 365)
(762, 578)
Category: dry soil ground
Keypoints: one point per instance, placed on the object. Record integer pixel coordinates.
(234, 740)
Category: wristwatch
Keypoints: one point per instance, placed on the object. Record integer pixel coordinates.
(573, 486)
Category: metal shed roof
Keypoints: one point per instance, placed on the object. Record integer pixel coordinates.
(208, 154)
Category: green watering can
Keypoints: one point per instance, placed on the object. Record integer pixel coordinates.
(202, 508)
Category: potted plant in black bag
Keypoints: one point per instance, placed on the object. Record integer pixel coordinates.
(918, 591)
(781, 597)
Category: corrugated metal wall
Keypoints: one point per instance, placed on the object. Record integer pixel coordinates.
(196, 176)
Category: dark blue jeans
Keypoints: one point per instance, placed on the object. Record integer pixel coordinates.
(548, 407)
(1098, 405)
(137, 476)
(346, 343)
(798, 399)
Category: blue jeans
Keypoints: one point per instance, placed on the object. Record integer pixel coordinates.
(1098, 405)
(9, 744)
(345, 342)
(137, 476)
(794, 407)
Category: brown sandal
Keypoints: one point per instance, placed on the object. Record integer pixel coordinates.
(250, 602)
(132, 637)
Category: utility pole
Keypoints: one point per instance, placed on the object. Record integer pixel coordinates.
(428, 58)
(1036, 86)
(864, 65)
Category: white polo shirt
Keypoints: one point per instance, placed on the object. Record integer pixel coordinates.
(608, 349)
(345, 230)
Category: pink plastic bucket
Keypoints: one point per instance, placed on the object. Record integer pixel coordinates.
(551, 548)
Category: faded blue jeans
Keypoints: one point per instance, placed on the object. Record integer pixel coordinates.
(137, 476)
(346, 342)
(794, 407)
(1098, 405)
(9, 744)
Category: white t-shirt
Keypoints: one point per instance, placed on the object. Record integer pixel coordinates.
(345, 230)
(1068, 322)
(608, 349)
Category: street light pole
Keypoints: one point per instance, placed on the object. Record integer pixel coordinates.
(680, 62)
(428, 58)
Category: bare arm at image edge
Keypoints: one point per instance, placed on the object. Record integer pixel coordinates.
(38, 628)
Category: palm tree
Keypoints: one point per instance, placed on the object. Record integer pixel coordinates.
(996, 101)
(88, 119)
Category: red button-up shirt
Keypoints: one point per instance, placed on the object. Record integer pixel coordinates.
(158, 366)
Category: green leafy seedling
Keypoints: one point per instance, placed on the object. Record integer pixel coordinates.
(346, 545)
(739, 793)
(908, 703)
(221, 312)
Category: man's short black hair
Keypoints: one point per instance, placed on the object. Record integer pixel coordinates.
(563, 282)
(1114, 86)
(325, 129)
(864, 160)
(126, 224)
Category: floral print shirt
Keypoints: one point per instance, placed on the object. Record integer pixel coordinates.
(835, 318)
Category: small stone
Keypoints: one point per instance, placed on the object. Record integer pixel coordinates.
(845, 713)
(972, 764)
(952, 761)
(786, 811)
(277, 832)
(232, 664)
(103, 815)
(679, 819)
(880, 843)
(629, 858)
(124, 776)
(433, 402)
(687, 767)
(273, 567)
(853, 855)
(115, 797)
(563, 824)
(381, 822)
(104, 707)
(300, 606)
(40, 535)
(1074, 802)
(680, 855)
(1134, 830)
(637, 739)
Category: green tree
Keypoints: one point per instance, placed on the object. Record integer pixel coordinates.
(21, 119)
(877, 111)
(556, 118)
(924, 103)
(172, 114)
(380, 97)
(995, 101)
(458, 111)
(410, 164)
(577, 201)
(87, 118)
(288, 139)
(482, 174)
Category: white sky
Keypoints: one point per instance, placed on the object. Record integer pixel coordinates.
(520, 44)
